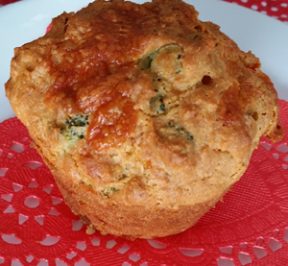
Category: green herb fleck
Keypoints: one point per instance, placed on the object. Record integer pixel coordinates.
(77, 121)
(74, 128)
(180, 130)
(108, 191)
(146, 61)
(157, 105)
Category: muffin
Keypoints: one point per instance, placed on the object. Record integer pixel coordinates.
(145, 115)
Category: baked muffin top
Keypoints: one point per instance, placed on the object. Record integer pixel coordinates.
(144, 103)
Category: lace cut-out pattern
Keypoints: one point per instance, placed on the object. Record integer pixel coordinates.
(249, 227)
(273, 8)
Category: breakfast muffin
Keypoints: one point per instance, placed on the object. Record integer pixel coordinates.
(145, 115)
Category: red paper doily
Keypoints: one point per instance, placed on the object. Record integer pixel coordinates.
(250, 225)
(273, 8)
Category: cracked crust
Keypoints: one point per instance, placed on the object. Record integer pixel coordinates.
(145, 115)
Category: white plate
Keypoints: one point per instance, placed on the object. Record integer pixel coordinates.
(267, 38)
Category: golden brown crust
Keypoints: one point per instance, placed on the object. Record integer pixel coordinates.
(122, 220)
(145, 115)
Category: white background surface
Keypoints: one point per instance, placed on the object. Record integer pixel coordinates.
(267, 38)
